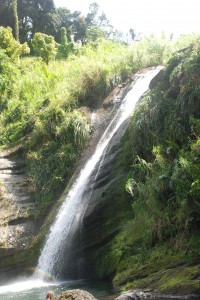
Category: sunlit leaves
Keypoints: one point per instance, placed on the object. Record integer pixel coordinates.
(44, 45)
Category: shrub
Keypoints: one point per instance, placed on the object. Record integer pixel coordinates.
(13, 49)
(45, 46)
(65, 48)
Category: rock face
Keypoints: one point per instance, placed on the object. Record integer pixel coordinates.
(135, 295)
(100, 222)
(158, 78)
(17, 226)
(16, 205)
(138, 294)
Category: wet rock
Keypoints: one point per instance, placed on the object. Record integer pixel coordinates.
(17, 206)
(134, 295)
(159, 77)
(17, 209)
(76, 295)
(138, 294)
(50, 296)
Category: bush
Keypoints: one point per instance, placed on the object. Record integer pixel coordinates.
(12, 48)
(66, 47)
(45, 46)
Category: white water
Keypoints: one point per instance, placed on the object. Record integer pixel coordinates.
(23, 285)
(69, 213)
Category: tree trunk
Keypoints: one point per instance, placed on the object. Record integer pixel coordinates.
(16, 25)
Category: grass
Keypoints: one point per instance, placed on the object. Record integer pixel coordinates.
(155, 245)
(164, 269)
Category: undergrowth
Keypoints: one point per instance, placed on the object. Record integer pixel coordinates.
(163, 140)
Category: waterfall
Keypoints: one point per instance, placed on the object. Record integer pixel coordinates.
(69, 216)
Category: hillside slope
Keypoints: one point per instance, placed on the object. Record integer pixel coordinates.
(157, 244)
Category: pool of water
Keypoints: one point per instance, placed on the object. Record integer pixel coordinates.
(36, 290)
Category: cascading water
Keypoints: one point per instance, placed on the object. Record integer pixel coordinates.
(70, 214)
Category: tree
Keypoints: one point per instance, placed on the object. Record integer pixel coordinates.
(44, 45)
(132, 33)
(94, 33)
(63, 32)
(6, 14)
(39, 16)
(91, 18)
(79, 27)
(103, 21)
(98, 26)
(16, 28)
(66, 47)
(33, 16)
(65, 20)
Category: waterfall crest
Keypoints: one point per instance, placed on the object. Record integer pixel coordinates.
(59, 241)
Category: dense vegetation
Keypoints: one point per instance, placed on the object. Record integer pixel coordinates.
(163, 142)
(39, 102)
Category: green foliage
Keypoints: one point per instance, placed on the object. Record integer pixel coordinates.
(63, 36)
(33, 16)
(164, 182)
(155, 50)
(52, 150)
(42, 16)
(44, 45)
(152, 50)
(169, 179)
(14, 5)
(65, 48)
(11, 47)
(94, 33)
(8, 74)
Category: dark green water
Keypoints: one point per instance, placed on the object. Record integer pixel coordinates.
(35, 290)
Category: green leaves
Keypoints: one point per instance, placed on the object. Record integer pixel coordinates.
(12, 48)
(44, 45)
(163, 140)
(52, 150)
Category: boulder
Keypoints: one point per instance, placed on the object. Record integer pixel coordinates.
(134, 295)
(50, 296)
(76, 295)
